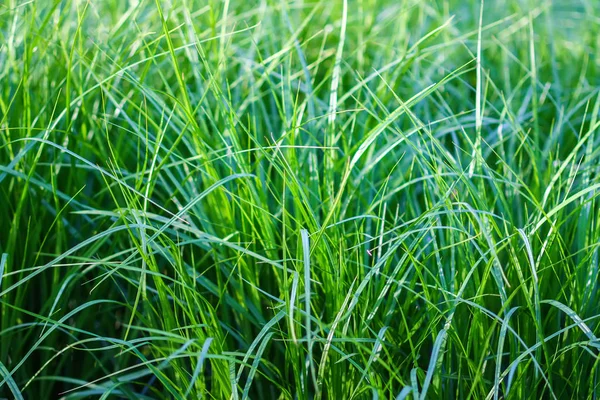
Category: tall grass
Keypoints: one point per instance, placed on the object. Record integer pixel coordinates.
(299, 200)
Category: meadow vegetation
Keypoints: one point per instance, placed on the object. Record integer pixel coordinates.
(329, 199)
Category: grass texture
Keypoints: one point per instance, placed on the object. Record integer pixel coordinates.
(329, 199)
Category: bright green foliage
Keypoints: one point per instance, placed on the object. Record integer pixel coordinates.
(338, 199)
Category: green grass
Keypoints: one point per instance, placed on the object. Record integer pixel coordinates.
(299, 200)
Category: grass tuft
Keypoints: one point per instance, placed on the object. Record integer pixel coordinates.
(299, 200)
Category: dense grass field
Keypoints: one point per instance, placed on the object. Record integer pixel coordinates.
(334, 199)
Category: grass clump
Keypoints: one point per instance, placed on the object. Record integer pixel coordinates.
(289, 200)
